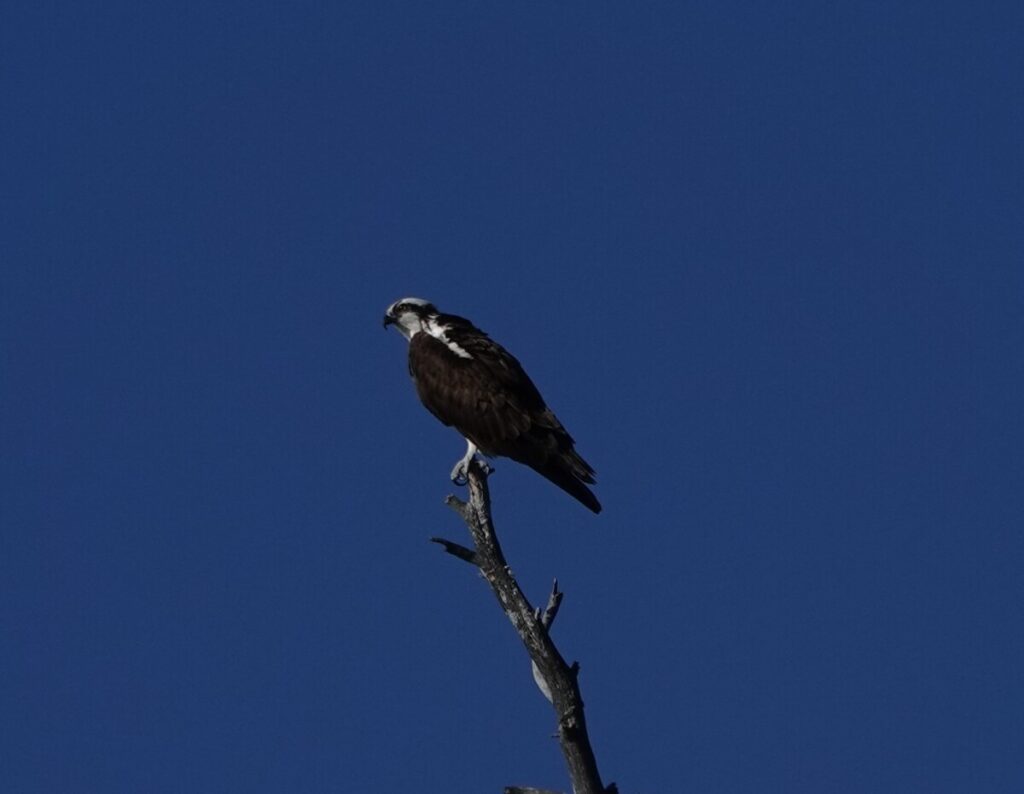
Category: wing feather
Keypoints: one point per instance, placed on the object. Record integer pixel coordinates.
(491, 400)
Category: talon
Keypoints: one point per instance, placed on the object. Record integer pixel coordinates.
(459, 476)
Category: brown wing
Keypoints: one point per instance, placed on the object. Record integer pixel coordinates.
(492, 402)
(488, 398)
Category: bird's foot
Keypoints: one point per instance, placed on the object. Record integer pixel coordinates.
(460, 474)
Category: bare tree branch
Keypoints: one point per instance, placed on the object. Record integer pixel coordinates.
(546, 618)
(528, 790)
(556, 679)
(457, 550)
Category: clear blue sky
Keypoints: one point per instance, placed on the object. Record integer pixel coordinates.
(765, 260)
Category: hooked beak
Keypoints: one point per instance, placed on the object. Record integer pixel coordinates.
(388, 320)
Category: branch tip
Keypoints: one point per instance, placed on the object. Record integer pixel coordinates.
(528, 790)
(456, 550)
(460, 507)
(547, 617)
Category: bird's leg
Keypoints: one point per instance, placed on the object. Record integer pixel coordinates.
(460, 474)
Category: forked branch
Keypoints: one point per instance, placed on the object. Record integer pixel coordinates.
(556, 679)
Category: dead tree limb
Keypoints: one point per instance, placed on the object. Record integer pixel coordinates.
(556, 679)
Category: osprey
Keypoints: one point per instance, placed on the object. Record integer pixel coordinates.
(472, 383)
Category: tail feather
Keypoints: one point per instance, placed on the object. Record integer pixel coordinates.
(580, 468)
(568, 475)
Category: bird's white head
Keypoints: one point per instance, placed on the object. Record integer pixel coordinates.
(409, 315)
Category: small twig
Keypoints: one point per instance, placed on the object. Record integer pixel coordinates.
(458, 506)
(457, 550)
(547, 617)
(528, 790)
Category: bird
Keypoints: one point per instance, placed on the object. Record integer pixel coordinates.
(470, 382)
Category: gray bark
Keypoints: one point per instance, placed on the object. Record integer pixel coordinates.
(556, 679)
